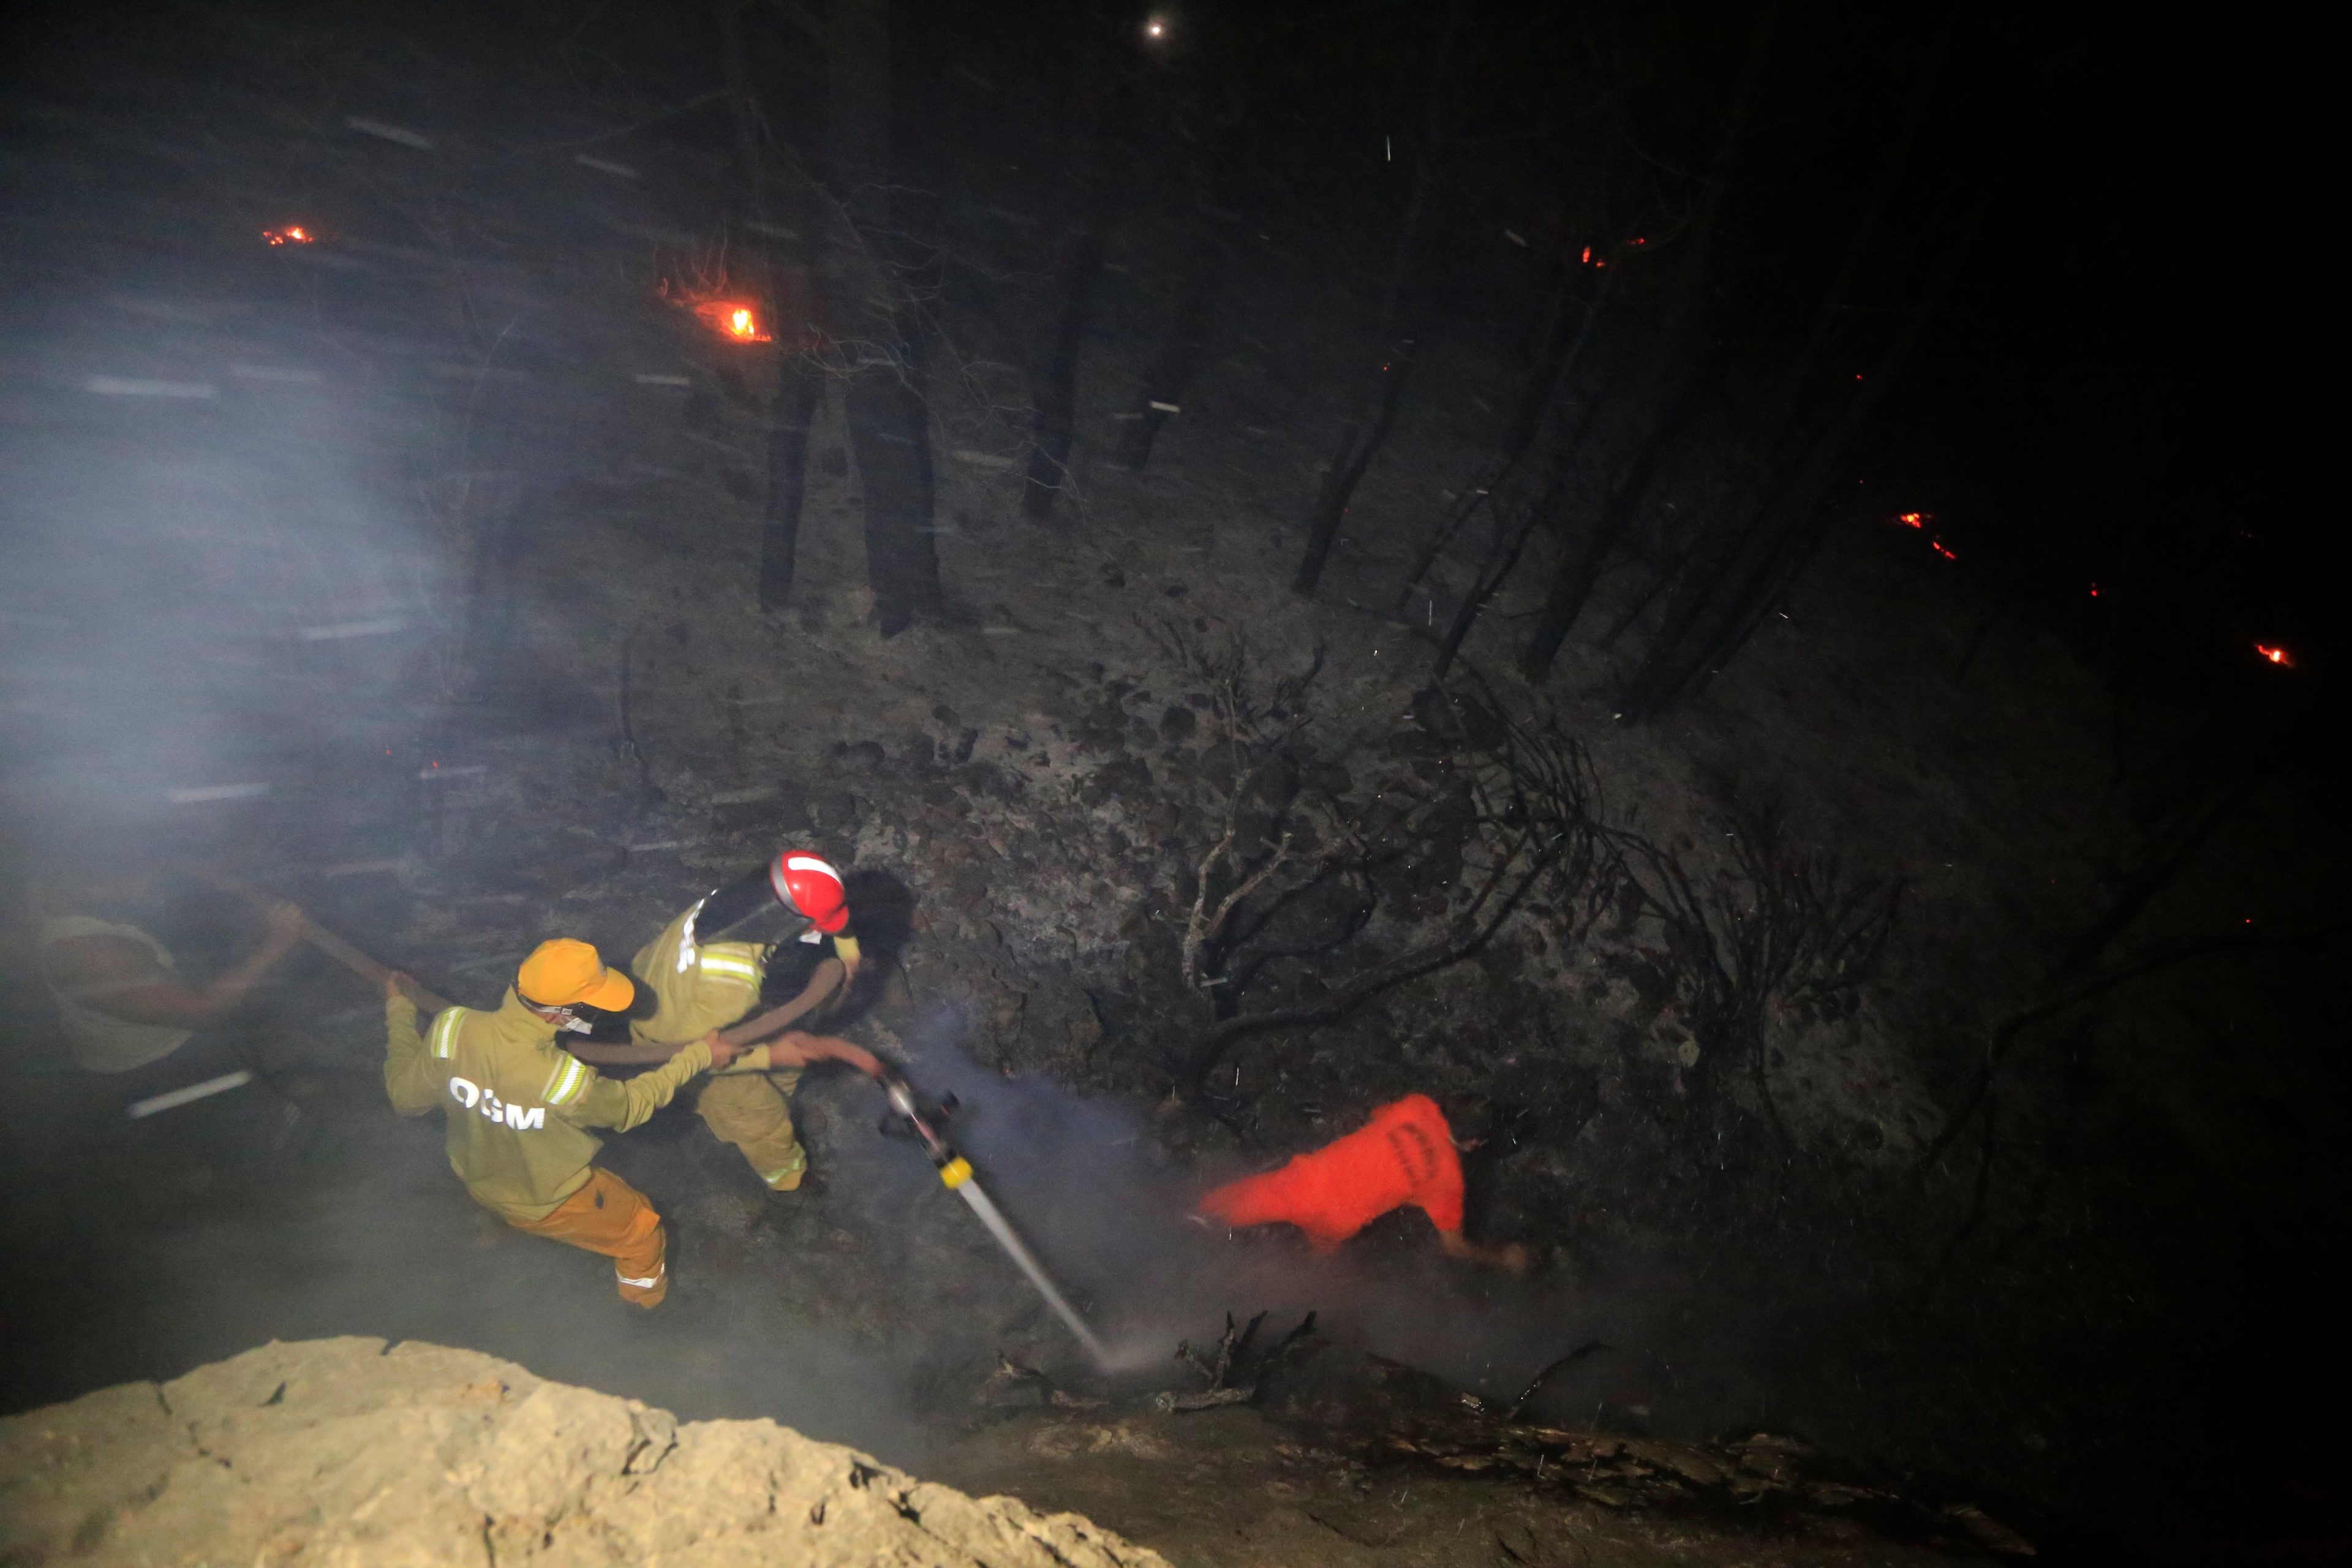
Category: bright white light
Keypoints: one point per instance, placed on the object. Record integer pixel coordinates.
(1155, 28)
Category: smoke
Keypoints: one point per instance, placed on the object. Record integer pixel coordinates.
(290, 559)
(1111, 1217)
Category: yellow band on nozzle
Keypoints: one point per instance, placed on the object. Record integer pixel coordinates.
(955, 1172)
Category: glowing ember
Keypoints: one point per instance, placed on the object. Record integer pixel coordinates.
(735, 320)
(1913, 518)
(290, 235)
(1588, 254)
(1938, 547)
(2277, 656)
(2094, 590)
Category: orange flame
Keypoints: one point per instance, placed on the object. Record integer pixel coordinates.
(734, 319)
(293, 233)
(1913, 519)
(2277, 656)
(1938, 546)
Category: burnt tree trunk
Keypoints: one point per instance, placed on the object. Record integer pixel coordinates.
(1055, 389)
(799, 387)
(1169, 375)
(1718, 544)
(1361, 439)
(1575, 306)
(1551, 377)
(1585, 552)
(1053, 377)
(1727, 588)
(1654, 404)
(1358, 444)
(887, 413)
(1545, 509)
(778, 217)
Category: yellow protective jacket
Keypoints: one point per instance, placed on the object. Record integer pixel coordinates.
(698, 987)
(518, 1108)
(717, 984)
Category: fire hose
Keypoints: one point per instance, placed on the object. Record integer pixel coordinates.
(927, 1120)
(956, 1175)
(333, 946)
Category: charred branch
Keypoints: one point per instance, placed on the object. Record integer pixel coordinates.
(1776, 931)
(1217, 1368)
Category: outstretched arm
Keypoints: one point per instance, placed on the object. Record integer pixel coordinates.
(823, 987)
(1509, 1257)
(592, 1101)
(609, 1054)
(407, 1078)
(795, 1050)
(120, 978)
(828, 979)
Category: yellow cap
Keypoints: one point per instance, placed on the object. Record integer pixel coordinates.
(560, 973)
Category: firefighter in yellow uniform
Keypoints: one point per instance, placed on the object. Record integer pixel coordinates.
(518, 1108)
(703, 986)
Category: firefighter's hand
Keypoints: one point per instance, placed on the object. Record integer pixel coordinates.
(722, 1052)
(396, 984)
(796, 1048)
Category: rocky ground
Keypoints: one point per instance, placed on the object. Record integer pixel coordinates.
(352, 1450)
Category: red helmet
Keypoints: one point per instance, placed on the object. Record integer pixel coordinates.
(811, 888)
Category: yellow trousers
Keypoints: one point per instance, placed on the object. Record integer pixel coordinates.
(719, 984)
(612, 1217)
(752, 1111)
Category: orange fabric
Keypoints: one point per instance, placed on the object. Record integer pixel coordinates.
(1403, 1155)
(612, 1217)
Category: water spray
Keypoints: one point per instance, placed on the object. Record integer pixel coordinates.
(955, 1175)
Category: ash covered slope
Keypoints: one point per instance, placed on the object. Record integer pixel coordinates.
(348, 1450)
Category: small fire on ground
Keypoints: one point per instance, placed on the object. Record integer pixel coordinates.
(293, 234)
(734, 319)
(2277, 654)
(1920, 520)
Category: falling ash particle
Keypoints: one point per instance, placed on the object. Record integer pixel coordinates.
(194, 1092)
(123, 386)
(361, 868)
(286, 375)
(389, 132)
(352, 629)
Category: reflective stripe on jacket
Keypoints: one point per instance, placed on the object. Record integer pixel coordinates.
(518, 1108)
(718, 985)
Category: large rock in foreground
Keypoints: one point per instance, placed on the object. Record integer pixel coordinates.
(347, 1452)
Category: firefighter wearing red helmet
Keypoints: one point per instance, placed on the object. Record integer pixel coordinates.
(700, 983)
